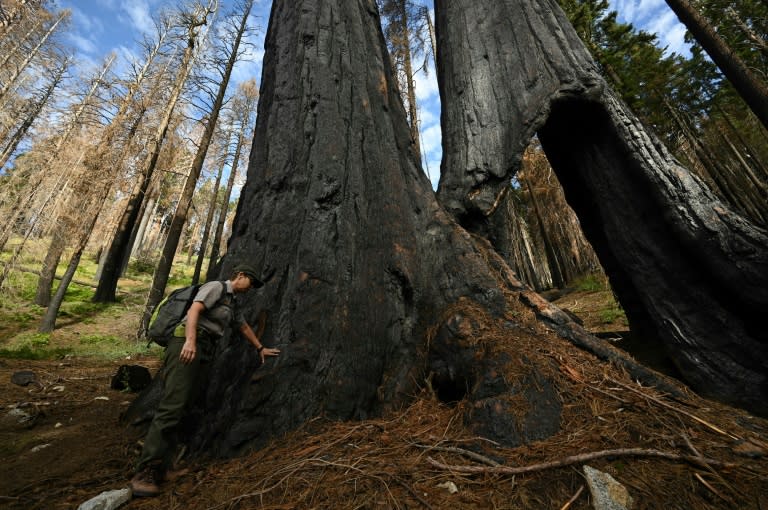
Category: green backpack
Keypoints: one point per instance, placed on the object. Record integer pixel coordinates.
(170, 312)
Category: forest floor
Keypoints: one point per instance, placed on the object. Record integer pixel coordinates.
(62, 443)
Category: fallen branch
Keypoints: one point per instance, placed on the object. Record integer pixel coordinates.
(711, 470)
(563, 325)
(673, 408)
(579, 459)
(461, 451)
(568, 504)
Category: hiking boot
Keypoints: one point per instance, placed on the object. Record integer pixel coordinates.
(174, 474)
(145, 483)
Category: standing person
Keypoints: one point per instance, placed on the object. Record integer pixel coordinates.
(187, 360)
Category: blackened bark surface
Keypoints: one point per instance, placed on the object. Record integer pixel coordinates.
(358, 257)
(371, 287)
(689, 272)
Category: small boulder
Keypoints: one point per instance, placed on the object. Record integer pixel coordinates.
(132, 378)
(607, 493)
(108, 500)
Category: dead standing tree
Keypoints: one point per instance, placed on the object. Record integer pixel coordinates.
(689, 272)
(227, 56)
(243, 112)
(122, 242)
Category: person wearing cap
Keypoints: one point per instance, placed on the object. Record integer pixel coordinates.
(187, 360)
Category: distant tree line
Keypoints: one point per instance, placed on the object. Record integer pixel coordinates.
(141, 163)
(111, 160)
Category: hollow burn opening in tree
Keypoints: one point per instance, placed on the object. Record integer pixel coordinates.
(578, 136)
(450, 389)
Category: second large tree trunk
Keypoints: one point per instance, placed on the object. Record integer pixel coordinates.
(690, 273)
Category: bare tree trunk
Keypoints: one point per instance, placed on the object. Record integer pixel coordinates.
(17, 251)
(32, 115)
(91, 206)
(213, 261)
(431, 30)
(22, 205)
(207, 227)
(558, 280)
(689, 272)
(48, 322)
(413, 115)
(137, 241)
(26, 36)
(23, 66)
(163, 269)
(48, 269)
(9, 17)
(119, 248)
(747, 84)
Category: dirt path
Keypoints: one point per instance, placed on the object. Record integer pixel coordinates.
(60, 436)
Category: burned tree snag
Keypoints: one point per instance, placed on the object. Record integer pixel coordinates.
(690, 273)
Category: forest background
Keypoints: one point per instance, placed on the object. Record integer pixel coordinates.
(141, 132)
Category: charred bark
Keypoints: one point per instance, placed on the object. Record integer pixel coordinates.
(372, 289)
(689, 272)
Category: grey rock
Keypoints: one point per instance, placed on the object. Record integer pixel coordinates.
(108, 500)
(607, 493)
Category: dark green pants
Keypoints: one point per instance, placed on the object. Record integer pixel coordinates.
(182, 386)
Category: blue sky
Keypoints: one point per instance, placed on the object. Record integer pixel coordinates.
(656, 17)
(102, 26)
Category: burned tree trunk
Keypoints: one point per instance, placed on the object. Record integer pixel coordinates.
(689, 272)
(371, 288)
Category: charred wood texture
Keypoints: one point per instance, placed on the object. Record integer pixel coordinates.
(370, 285)
(690, 273)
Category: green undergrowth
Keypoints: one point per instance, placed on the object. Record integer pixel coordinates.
(83, 328)
(612, 314)
(593, 282)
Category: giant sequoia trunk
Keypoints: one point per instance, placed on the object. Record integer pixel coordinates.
(689, 272)
(371, 288)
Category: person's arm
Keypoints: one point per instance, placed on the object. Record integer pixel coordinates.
(189, 349)
(248, 333)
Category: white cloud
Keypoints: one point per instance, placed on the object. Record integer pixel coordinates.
(431, 139)
(428, 116)
(248, 68)
(428, 99)
(432, 151)
(139, 15)
(426, 84)
(670, 32)
(84, 24)
(83, 44)
(432, 169)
